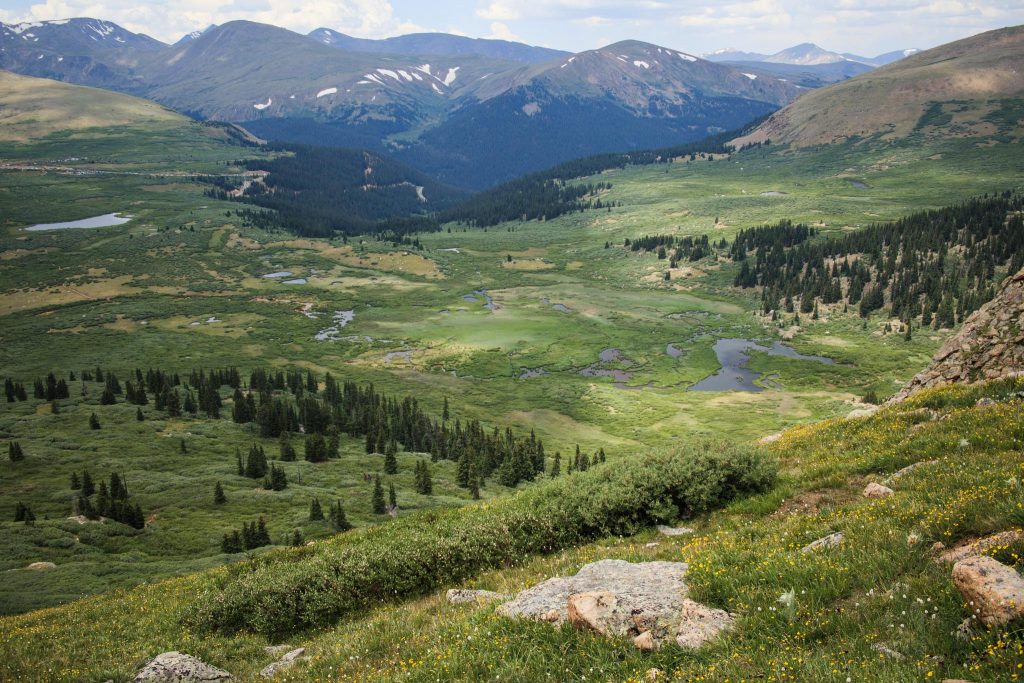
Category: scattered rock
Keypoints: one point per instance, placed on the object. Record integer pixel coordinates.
(651, 545)
(645, 642)
(862, 412)
(652, 675)
(896, 476)
(875, 490)
(984, 402)
(464, 596)
(978, 547)
(830, 541)
(987, 347)
(176, 667)
(674, 531)
(887, 651)
(994, 590)
(41, 566)
(286, 662)
(700, 624)
(771, 438)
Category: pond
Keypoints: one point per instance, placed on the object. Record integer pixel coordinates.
(278, 274)
(734, 375)
(105, 221)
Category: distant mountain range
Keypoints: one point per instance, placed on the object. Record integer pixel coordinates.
(469, 112)
(807, 54)
(971, 88)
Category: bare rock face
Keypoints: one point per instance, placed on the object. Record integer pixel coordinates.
(176, 667)
(874, 490)
(989, 346)
(995, 591)
(41, 566)
(465, 596)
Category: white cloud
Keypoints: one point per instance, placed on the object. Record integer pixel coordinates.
(500, 31)
(168, 20)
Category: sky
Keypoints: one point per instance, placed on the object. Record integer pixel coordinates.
(864, 27)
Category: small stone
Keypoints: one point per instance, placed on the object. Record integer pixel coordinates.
(463, 596)
(830, 541)
(645, 642)
(700, 624)
(177, 667)
(652, 675)
(887, 651)
(652, 545)
(995, 590)
(984, 402)
(674, 531)
(875, 490)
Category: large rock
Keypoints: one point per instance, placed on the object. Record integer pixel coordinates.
(979, 547)
(41, 566)
(699, 624)
(648, 587)
(994, 591)
(876, 490)
(176, 667)
(990, 345)
(645, 601)
(824, 543)
(286, 662)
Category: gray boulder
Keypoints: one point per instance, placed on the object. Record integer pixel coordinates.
(286, 662)
(177, 667)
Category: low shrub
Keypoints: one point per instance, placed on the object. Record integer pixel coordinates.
(314, 586)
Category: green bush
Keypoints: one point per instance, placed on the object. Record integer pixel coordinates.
(285, 591)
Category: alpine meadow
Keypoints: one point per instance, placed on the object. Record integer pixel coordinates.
(335, 356)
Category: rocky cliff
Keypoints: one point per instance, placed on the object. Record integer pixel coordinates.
(989, 346)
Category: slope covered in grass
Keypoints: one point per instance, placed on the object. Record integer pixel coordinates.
(882, 586)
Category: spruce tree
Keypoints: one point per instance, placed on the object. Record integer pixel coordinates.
(88, 488)
(379, 508)
(287, 450)
(107, 398)
(315, 512)
(94, 422)
(556, 467)
(218, 495)
(262, 535)
(392, 497)
(390, 460)
(139, 416)
(297, 539)
(76, 484)
(14, 452)
(338, 519)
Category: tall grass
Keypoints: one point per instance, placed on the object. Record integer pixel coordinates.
(315, 586)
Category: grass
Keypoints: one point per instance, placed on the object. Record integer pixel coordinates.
(877, 587)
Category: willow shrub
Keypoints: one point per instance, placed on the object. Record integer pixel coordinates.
(312, 587)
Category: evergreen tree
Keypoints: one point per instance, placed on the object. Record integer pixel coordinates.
(107, 398)
(139, 416)
(94, 422)
(287, 450)
(556, 466)
(262, 535)
(390, 461)
(238, 457)
(315, 512)
(231, 543)
(392, 497)
(297, 539)
(88, 488)
(338, 519)
(218, 495)
(14, 452)
(256, 464)
(76, 484)
(379, 507)
(276, 479)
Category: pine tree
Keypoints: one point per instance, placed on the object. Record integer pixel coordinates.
(392, 497)
(107, 398)
(14, 452)
(94, 422)
(139, 416)
(556, 467)
(338, 519)
(287, 450)
(297, 539)
(218, 495)
(262, 535)
(444, 411)
(238, 457)
(390, 461)
(315, 512)
(88, 488)
(231, 543)
(379, 507)
(76, 484)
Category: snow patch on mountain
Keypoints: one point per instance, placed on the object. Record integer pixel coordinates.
(641, 64)
(752, 77)
(261, 107)
(453, 73)
(325, 92)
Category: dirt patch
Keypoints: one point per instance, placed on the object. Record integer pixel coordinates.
(814, 502)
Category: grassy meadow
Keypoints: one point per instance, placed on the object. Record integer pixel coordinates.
(182, 286)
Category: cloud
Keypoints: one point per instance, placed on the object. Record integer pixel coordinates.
(170, 19)
(500, 31)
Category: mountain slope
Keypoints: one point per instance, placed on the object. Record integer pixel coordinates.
(965, 88)
(439, 44)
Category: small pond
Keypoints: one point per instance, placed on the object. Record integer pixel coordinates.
(104, 221)
(734, 375)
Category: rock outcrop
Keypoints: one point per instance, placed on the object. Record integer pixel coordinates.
(290, 659)
(830, 541)
(876, 490)
(177, 667)
(645, 601)
(994, 591)
(989, 346)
